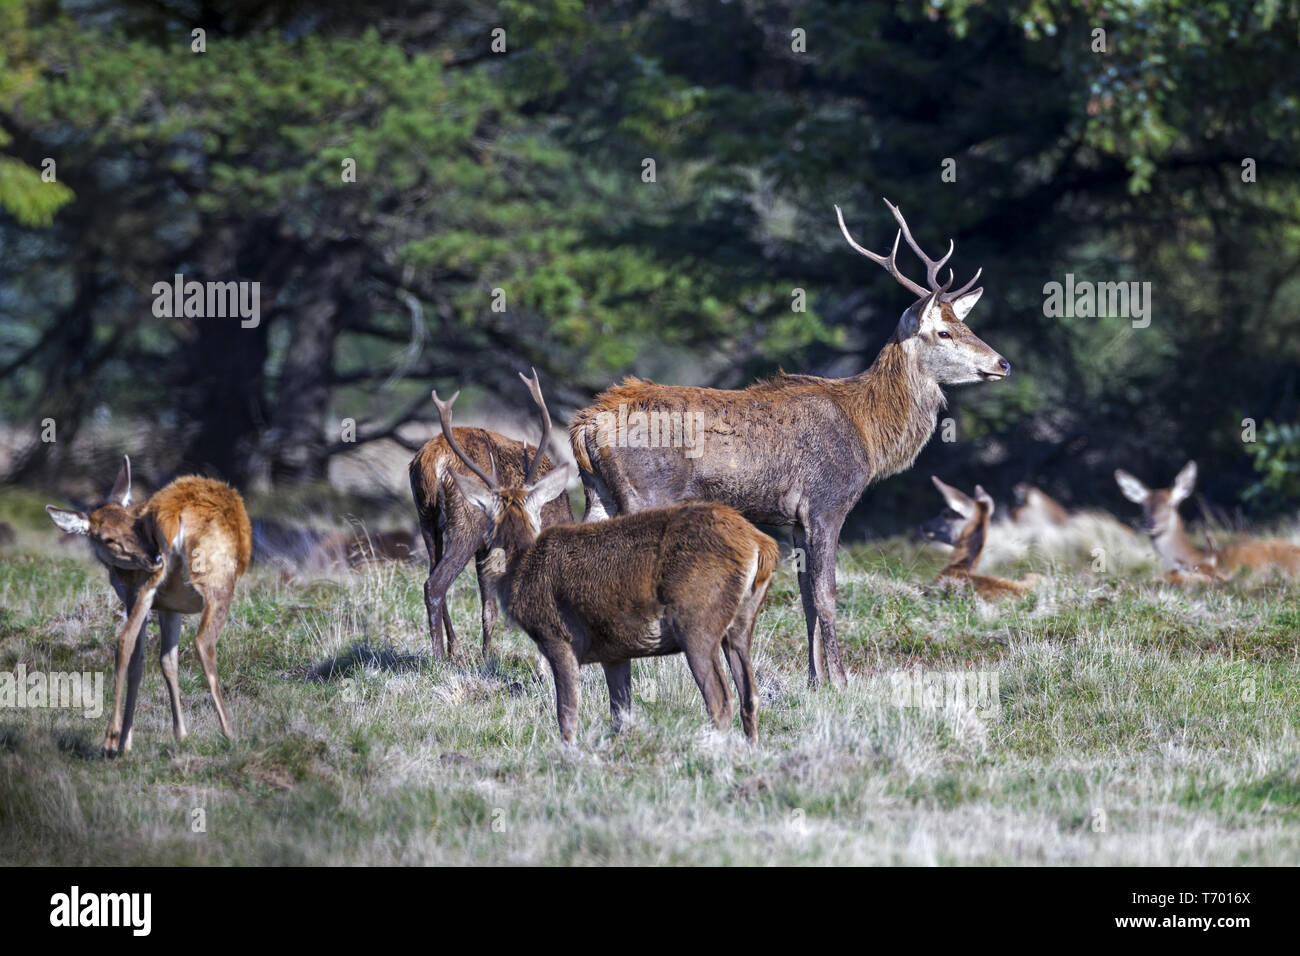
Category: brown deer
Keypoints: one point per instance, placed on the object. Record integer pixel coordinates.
(797, 450)
(1184, 561)
(181, 551)
(964, 525)
(454, 530)
(685, 579)
(1033, 506)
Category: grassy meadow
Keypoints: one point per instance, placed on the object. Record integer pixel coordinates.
(1136, 723)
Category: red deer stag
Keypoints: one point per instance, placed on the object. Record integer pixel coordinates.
(964, 525)
(181, 551)
(1185, 562)
(454, 530)
(687, 578)
(797, 450)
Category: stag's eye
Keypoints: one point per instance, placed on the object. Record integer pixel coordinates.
(944, 335)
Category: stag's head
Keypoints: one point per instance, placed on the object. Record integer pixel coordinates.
(514, 512)
(113, 528)
(1159, 505)
(933, 328)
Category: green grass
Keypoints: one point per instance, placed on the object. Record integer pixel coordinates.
(1137, 724)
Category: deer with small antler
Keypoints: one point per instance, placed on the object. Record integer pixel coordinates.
(797, 450)
(1183, 561)
(686, 579)
(454, 530)
(180, 551)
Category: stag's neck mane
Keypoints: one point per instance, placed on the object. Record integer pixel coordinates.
(895, 406)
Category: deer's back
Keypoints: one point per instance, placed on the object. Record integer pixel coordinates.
(1262, 555)
(215, 521)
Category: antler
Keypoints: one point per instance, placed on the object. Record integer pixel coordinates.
(535, 389)
(444, 412)
(932, 266)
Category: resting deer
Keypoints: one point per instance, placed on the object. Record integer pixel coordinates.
(181, 551)
(1033, 506)
(1183, 560)
(964, 525)
(688, 579)
(797, 450)
(454, 530)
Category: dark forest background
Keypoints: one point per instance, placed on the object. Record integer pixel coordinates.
(522, 171)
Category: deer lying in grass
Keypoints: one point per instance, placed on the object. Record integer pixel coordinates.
(797, 450)
(181, 551)
(1185, 562)
(964, 525)
(1033, 506)
(454, 530)
(688, 579)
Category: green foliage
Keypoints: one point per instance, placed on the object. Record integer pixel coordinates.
(1276, 454)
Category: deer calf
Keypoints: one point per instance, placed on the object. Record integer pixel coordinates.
(454, 530)
(181, 551)
(1184, 561)
(687, 578)
(964, 525)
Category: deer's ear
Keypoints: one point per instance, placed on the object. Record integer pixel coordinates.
(548, 487)
(964, 303)
(1131, 488)
(73, 522)
(121, 493)
(475, 492)
(984, 498)
(957, 500)
(1183, 483)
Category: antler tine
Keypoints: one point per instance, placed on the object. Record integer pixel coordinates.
(932, 266)
(890, 264)
(535, 389)
(966, 288)
(444, 412)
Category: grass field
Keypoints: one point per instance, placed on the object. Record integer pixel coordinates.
(1135, 724)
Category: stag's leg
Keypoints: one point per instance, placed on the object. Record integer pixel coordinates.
(600, 503)
(619, 678)
(169, 623)
(445, 564)
(130, 645)
(816, 665)
(702, 658)
(487, 596)
(564, 668)
(824, 540)
(216, 605)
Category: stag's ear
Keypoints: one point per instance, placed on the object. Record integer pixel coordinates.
(548, 487)
(1183, 483)
(984, 498)
(121, 493)
(1131, 488)
(964, 303)
(73, 522)
(476, 493)
(957, 500)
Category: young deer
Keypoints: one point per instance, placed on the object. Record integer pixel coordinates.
(964, 525)
(454, 530)
(688, 579)
(1183, 560)
(797, 450)
(181, 551)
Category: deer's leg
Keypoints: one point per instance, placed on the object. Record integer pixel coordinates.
(216, 605)
(169, 623)
(600, 503)
(619, 678)
(824, 539)
(816, 665)
(447, 561)
(135, 669)
(137, 610)
(736, 645)
(487, 596)
(564, 668)
(702, 658)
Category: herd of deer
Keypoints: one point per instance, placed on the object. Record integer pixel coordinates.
(665, 560)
